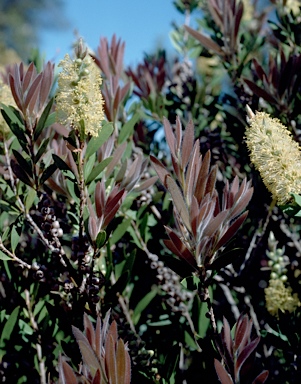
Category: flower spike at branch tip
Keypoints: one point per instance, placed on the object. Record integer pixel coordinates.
(275, 154)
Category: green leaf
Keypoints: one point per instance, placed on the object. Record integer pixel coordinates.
(73, 190)
(96, 142)
(25, 164)
(3, 256)
(60, 163)
(297, 198)
(89, 166)
(47, 173)
(204, 321)
(14, 239)
(17, 130)
(9, 326)
(43, 123)
(143, 303)
(5, 234)
(101, 239)
(31, 195)
(98, 169)
(21, 175)
(41, 150)
(128, 128)
(11, 116)
(120, 230)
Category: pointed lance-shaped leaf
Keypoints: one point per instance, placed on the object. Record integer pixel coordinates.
(261, 378)
(187, 145)
(222, 374)
(215, 224)
(123, 363)
(207, 42)
(110, 359)
(160, 169)
(66, 374)
(244, 354)
(87, 352)
(100, 198)
(179, 248)
(201, 181)
(89, 331)
(241, 204)
(178, 201)
(170, 137)
(230, 232)
(242, 333)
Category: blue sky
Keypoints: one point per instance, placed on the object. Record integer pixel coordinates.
(142, 24)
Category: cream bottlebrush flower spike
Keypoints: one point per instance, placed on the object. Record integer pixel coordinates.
(79, 100)
(275, 155)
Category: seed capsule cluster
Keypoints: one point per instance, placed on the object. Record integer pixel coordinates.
(177, 297)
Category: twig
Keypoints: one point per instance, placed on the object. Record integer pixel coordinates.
(38, 344)
(124, 307)
(59, 250)
(258, 234)
(228, 296)
(210, 309)
(13, 256)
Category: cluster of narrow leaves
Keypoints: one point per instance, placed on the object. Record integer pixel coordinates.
(227, 16)
(279, 84)
(238, 354)
(203, 223)
(31, 94)
(110, 61)
(105, 357)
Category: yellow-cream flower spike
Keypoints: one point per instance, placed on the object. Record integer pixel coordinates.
(79, 100)
(280, 298)
(275, 155)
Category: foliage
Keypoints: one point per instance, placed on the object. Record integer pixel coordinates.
(131, 212)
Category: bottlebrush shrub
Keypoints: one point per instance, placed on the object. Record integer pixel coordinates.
(145, 191)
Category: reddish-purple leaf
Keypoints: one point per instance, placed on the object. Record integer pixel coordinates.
(222, 374)
(110, 360)
(66, 373)
(210, 186)
(232, 230)
(207, 42)
(100, 198)
(146, 184)
(187, 145)
(180, 249)
(87, 352)
(170, 137)
(202, 178)
(238, 17)
(46, 84)
(160, 169)
(241, 204)
(179, 132)
(178, 201)
(244, 354)
(29, 75)
(241, 333)
(226, 336)
(90, 332)
(215, 224)
(15, 91)
(97, 379)
(33, 93)
(260, 92)
(261, 378)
